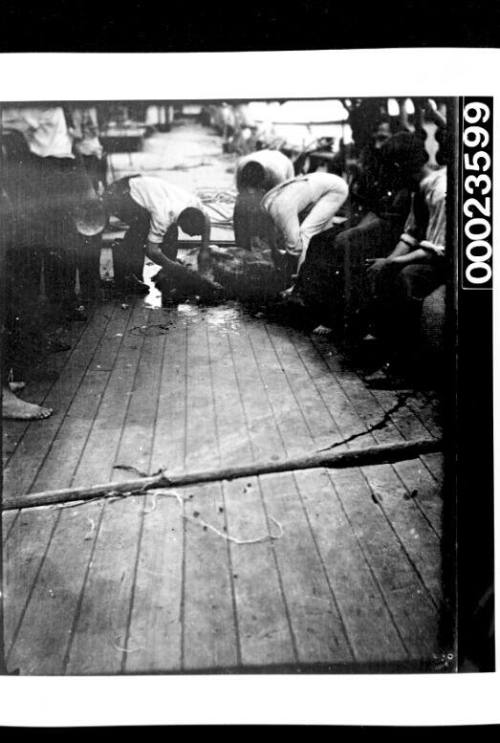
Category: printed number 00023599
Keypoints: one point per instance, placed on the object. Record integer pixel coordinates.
(477, 183)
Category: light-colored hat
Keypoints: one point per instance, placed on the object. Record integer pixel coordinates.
(90, 218)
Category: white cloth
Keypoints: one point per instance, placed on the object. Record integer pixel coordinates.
(323, 193)
(163, 201)
(86, 131)
(44, 129)
(278, 166)
(430, 236)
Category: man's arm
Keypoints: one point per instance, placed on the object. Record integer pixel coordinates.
(402, 248)
(204, 252)
(415, 256)
(155, 254)
(205, 235)
(402, 255)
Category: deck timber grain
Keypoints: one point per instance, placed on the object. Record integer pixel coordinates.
(323, 567)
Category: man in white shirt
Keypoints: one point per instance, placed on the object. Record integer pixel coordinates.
(154, 210)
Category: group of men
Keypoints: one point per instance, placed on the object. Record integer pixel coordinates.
(397, 276)
(298, 207)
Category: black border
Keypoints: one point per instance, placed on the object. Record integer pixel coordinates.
(147, 26)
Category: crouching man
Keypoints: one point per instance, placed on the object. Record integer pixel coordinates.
(154, 210)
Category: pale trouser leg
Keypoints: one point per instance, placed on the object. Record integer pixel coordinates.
(320, 217)
(285, 218)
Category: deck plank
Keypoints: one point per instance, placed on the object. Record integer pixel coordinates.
(263, 622)
(39, 526)
(47, 623)
(57, 617)
(100, 640)
(381, 488)
(278, 352)
(99, 454)
(169, 446)
(317, 622)
(36, 442)
(64, 456)
(153, 608)
(156, 614)
(136, 442)
(8, 520)
(370, 626)
(413, 612)
(209, 632)
(24, 554)
(435, 464)
(66, 448)
(411, 424)
(393, 486)
(319, 634)
(65, 453)
(155, 623)
(38, 388)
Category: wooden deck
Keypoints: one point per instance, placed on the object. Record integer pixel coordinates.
(346, 570)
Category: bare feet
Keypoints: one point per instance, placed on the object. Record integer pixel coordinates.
(14, 408)
(287, 292)
(322, 330)
(16, 386)
(291, 296)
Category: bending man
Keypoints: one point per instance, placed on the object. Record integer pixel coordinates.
(154, 210)
(319, 194)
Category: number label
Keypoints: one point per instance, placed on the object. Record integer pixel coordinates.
(477, 186)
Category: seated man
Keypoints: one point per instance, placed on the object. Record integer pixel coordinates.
(402, 280)
(256, 174)
(320, 194)
(154, 210)
(379, 217)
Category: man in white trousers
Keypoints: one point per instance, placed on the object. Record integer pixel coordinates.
(320, 194)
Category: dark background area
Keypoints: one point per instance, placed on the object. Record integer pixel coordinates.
(146, 26)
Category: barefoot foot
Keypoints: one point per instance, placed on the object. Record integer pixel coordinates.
(16, 386)
(322, 330)
(16, 409)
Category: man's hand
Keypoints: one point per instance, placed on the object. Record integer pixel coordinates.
(375, 265)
